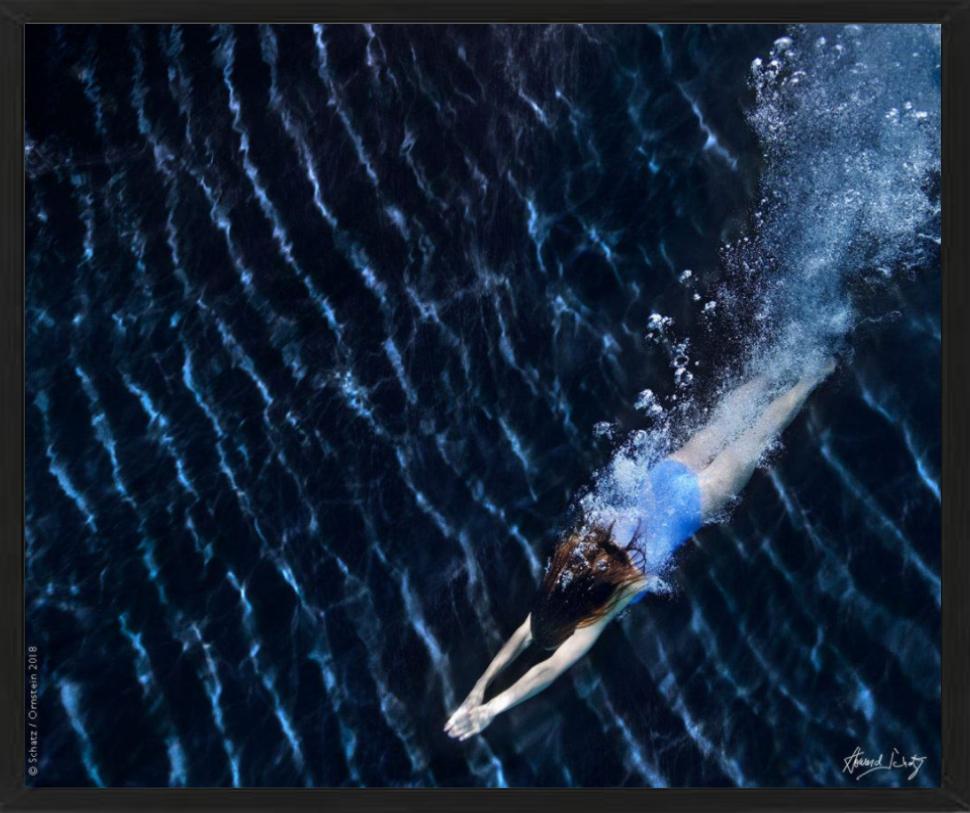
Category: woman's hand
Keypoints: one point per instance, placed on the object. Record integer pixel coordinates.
(475, 697)
(467, 722)
(510, 650)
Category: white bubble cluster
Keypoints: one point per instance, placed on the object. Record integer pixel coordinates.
(658, 325)
(603, 429)
(647, 402)
(849, 124)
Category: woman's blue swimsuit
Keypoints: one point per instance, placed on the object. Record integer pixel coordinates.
(669, 512)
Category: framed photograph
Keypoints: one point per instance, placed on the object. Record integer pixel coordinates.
(423, 407)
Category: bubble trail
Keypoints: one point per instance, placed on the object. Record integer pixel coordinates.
(847, 118)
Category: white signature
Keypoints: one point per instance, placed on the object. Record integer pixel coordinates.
(858, 761)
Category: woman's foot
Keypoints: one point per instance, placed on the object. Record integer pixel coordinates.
(817, 371)
(827, 367)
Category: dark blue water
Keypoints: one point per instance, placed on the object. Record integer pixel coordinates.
(328, 328)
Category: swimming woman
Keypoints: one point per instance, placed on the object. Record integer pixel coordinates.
(598, 570)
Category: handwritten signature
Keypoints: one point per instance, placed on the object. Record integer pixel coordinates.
(858, 761)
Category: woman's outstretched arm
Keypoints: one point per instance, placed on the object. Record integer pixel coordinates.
(468, 722)
(510, 650)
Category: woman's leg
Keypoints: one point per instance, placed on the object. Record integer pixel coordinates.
(730, 471)
(733, 413)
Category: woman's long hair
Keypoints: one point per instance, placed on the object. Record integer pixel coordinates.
(583, 581)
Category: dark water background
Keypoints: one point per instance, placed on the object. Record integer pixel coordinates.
(320, 324)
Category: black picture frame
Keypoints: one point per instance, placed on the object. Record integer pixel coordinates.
(953, 15)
